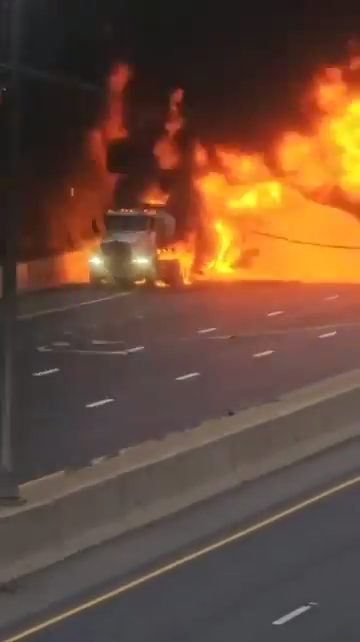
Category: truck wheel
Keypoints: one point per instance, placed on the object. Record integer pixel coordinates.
(150, 282)
(173, 275)
(153, 275)
(94, 280)
(124, 284)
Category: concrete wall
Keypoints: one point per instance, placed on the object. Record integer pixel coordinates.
(70, 267)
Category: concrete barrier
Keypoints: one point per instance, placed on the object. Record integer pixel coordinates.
(70, 267)
(69, 513)
(67, 268)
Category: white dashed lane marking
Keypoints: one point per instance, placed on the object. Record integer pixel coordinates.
(95, 352)
(327, 335)
(75, 351)
(275, 313)
(206, 330)
(266, 353)
(40, 313)
(293, 614)
(190, 375)
(332, 297)
(102, 402)
(43, 373)
(105, 342)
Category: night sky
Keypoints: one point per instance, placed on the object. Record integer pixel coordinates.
(243, 65)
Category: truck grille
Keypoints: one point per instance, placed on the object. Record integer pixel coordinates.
(117, 255)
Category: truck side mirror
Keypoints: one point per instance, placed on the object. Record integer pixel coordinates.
(121, 156)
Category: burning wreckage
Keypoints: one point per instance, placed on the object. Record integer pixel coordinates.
(295, 221)
(292, 214)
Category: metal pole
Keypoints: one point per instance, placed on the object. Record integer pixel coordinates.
(8, 487)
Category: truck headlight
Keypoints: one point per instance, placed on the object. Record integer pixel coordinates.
(141, 260)
(96, 260)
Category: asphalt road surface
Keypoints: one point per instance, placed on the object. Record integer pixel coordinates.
(296, 579)
(98, 370)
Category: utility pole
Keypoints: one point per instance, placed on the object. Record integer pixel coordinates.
(9, 490)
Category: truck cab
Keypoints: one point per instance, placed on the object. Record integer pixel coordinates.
(128, 250)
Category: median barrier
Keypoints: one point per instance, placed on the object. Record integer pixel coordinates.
(52, 272)
(68, 513)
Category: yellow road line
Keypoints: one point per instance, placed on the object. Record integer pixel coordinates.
(183, 560)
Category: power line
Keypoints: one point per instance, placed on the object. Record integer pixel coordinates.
(278, 237)
(31, 72)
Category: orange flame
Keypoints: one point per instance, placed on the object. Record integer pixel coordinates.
(330, 157)
(221, 262)
(154, 195)
(183, 253)
(261, 227)
(166, 150)
(258, 225)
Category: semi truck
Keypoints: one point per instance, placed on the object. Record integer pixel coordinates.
(137, 245)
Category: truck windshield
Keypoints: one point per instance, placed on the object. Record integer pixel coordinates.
(126, 223)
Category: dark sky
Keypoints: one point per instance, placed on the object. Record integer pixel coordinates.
(242, 64)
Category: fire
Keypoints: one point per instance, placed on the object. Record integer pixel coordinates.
(221, 262)
(154, 195)
(262, 195)
(200, 155)
(346, 133)
(262, 225)
(69, 210)
(166, 150)
(232, 208)
(329, 157)
(183, 253)
(278, 223)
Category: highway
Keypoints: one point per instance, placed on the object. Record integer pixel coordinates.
(98, 370)
(291, 575)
